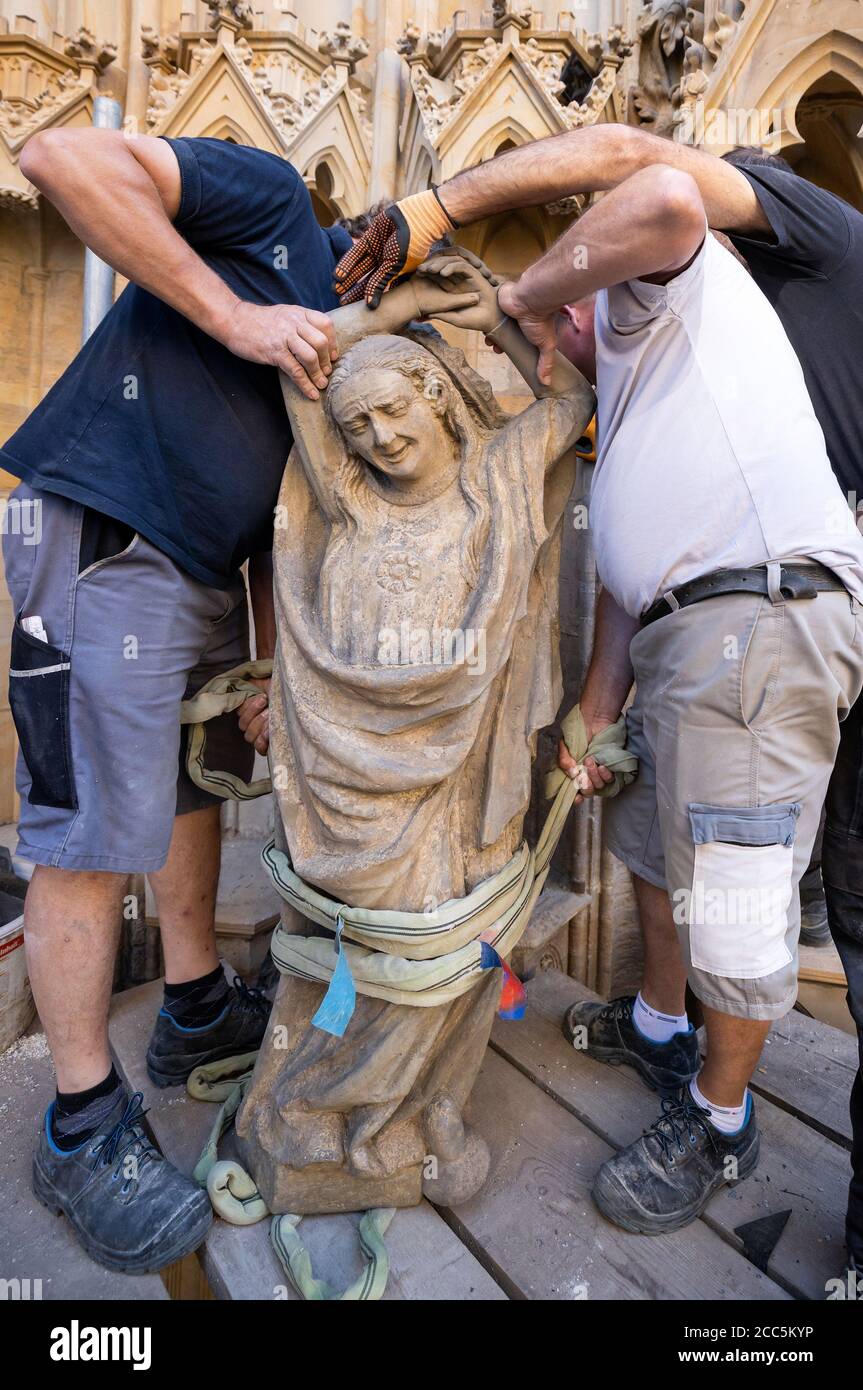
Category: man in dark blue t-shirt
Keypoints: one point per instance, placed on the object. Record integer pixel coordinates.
(149, 473)
(804, 247)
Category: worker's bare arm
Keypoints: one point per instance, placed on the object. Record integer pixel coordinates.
(647, 228)
(263, 603)
(592, 160)
(254, 713)
(120, 196)
(607, 684)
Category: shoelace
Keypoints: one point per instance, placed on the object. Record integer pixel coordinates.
(251, 1000)
(676, 1122)
(114, 1145)
(617, 1010)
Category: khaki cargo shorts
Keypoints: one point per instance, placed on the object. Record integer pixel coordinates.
(736, 725)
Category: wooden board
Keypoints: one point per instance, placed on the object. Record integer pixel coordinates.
(535, 1225)
(822, 964)
(427, 1261)
(808, 1068)
(800, 1169)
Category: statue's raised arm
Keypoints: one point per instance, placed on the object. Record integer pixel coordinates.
(315, 438)
(455, 287)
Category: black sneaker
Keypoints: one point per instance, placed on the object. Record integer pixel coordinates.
(608, 1033)
(174, 1051)
(131, 1210)
(667, 1177)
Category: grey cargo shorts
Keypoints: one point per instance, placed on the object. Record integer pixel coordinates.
(96, 706)
(736, 726)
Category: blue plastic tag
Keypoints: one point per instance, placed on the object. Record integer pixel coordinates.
(338, 1004)
(488, 956)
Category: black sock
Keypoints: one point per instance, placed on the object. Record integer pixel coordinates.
(78, 1115)
(198, 1003)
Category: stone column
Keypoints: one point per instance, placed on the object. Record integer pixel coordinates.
(385, 131)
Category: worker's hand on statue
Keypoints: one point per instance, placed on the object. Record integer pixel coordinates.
(254, 718)
(394, 244)
(590, 776)
(300, 342)
(539, 329)
(461, 273)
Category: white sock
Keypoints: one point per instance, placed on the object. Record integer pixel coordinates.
(657, 1027)
(728, 1119)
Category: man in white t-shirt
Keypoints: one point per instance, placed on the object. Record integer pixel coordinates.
(732, 581)
(712, 483)
(732, 578)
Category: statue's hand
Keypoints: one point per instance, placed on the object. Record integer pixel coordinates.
(458, 273)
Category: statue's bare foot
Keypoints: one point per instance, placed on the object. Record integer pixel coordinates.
(458, 1159)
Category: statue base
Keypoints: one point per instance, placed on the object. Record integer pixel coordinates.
(372, 1119)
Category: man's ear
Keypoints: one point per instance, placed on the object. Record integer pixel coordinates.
(570, 313)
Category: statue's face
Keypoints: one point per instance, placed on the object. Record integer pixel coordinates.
(390, 424)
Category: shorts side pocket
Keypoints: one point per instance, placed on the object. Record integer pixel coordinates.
(39, 700)
(741, 888)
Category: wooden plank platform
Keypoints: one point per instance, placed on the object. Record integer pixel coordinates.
(821, 963)
(551, 1116)
(808, 1068)
(534, 1223)
(800, 1169)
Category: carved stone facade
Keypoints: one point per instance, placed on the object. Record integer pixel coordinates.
(371, 103)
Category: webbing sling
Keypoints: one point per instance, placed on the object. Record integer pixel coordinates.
(220, 695)
(422, 959)
(236, 1199)
(430, 958)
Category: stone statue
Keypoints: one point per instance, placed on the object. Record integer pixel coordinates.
(416, 559)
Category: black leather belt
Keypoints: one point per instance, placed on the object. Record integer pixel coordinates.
(795, 581)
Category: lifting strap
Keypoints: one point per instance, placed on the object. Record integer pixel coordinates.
(430, 958)
(417, 958)
(220, 695)
(236, 1199)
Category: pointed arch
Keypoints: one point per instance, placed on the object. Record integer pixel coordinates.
(833, 52)
(507, 131)
(226, 128)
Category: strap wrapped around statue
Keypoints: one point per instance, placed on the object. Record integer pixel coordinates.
(428, 958)
(417, 958)
(399, 955)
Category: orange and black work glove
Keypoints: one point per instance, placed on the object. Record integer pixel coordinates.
(397, 241)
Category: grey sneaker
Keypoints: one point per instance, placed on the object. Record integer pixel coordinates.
(607, 1033)
(667, 1177)
(131, 1210)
